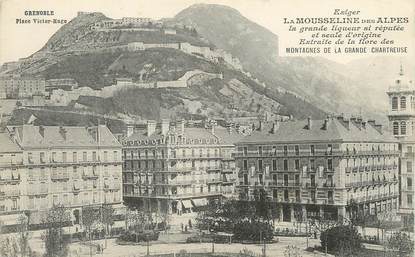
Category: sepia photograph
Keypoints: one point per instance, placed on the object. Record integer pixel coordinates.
(207, 128)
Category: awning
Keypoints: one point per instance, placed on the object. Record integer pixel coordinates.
(200, 202)
(187, 204)
(7, 220)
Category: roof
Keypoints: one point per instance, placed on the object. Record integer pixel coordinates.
(337, 129)
(190, 133)
(7, 145)
(30, 136)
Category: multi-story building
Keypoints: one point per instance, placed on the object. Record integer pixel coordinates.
(332, 167)
(70, 166)
(21, 87)
(11, 166)
(402, 123)
(174, 169)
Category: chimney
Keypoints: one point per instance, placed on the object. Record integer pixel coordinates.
(326, 124)
(165, 126)
(130, 129)
(42, 131)
(182, 123)
(62, 131)
(230, 129)
(309, 123)
(378, 127)
(372, 122)
(275, 127)
(151, 127)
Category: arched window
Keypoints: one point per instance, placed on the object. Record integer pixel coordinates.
(394, 103)
(396, 128)
(403, 102)
(403, 128)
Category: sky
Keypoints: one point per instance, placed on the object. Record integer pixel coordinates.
(22, 40)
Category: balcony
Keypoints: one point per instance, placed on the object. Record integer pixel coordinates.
(59, 177)
(10, 180)
(329, 184)
(90, 176)
(10, 193)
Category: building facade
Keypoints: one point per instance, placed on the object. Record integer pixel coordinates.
(332, 168)
(70, 166)
(174, 169)
(11, 168)
(15, 88)
(401, 117)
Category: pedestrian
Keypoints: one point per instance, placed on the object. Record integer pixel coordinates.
(185, 228)
(99, 249)
(182, 226)
(190, 223)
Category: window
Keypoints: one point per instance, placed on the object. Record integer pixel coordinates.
(285, 150)
(245, 164)
(285, 164)
(297, 195)
(260, 150)
(403, 128)
(403, 102)
(396, 128)
(285, 179)
(84, 157)
(260, 165)
(312, 164)
(105, 156)
(409, 166)
(94, 156)
(394, 103)
(329, 164)
(274, 164)
(115, 156)
(297, 150)
(184, 153)
(275, 193)
(409, 182)
(63, 156)
(42, 157)
(297, 164)
(245, 151)
(245, 179)
(297, 179)
(409, 199)
(74, 157)
(286, 195)
(261, 178)
(54, 157)
(312, 150)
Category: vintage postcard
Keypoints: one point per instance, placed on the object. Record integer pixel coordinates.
(209, 128)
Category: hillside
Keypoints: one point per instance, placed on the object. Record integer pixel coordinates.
(318, 80)
(76, 51)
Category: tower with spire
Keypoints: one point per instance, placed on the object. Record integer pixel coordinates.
(401, 117)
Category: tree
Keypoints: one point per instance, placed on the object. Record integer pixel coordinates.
(23, 235)
(55, 244)
(344, 240)
(292, 251)
(107, 219)
(402, 243)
